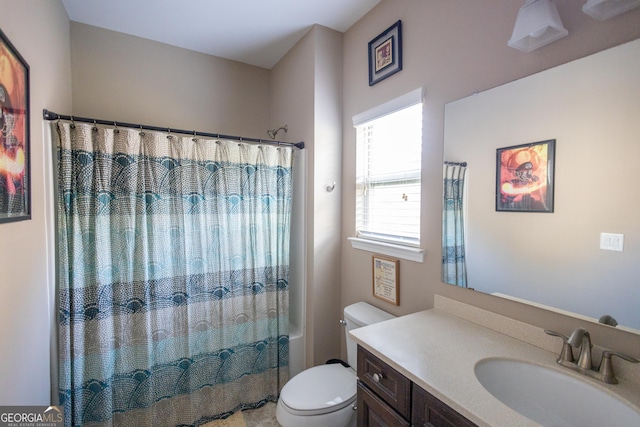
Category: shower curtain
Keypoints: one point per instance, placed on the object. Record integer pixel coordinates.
(454, 269)
(172, 275)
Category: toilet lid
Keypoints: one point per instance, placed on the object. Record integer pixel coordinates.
(320, 389)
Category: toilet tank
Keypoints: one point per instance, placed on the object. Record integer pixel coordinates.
(358, 315)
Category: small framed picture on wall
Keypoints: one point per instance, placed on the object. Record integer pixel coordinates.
(385, 54)
(385, 279)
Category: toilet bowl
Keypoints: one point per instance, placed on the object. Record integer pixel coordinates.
(325, 396)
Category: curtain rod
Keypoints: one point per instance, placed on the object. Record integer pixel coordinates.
(49, 115)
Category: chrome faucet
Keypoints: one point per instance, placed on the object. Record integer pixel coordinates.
(580, 337)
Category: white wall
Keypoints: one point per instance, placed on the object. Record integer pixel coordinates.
(39, 29)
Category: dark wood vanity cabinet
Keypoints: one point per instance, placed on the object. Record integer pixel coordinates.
(428, 411)
(386, 398)
(384, 395)
(375, 412)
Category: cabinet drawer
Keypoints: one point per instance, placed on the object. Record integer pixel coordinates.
(432, 412)
(373, 412)
(386, 382)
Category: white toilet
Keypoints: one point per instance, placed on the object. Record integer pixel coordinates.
(325, 396)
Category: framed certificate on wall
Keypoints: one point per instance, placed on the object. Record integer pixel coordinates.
(385, 279)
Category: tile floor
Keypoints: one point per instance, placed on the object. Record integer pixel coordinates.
(261, 417)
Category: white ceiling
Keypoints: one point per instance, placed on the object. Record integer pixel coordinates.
(256, 32)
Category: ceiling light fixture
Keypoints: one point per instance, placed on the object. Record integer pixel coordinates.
(605, 9)
(538, 23)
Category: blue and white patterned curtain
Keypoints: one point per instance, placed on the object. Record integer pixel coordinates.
(454, 269)
(172, 276)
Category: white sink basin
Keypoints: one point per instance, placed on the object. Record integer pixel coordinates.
(553, 398)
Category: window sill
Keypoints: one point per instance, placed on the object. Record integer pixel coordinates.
(389, 249)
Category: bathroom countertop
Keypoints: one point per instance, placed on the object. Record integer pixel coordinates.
(438, 351)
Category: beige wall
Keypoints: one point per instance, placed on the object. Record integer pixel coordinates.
(325, 301)
(452, 49)
(291, 103)
(591, 107)
(114, 77)
(306, 93)
(135, 80)
(39, 30)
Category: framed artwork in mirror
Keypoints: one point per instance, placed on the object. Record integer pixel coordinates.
(15, 197)
(385, 279)
(385, 54)
(525, 177)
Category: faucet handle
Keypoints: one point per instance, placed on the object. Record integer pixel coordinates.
(566, 354)
(606, 366)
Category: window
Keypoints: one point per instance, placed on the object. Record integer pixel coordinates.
(388, 169)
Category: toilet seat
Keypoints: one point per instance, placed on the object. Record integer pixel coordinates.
(319, 390)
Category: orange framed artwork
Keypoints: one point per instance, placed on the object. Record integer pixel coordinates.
(525, 177)
(15, 197)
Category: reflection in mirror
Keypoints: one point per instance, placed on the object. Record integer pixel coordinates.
(562, 259)
(454, 269)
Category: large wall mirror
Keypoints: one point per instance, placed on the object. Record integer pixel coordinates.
(591, 108)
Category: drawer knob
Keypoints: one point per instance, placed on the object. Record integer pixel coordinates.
(377, 377)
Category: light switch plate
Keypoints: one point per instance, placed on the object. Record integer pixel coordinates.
(612, 242)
